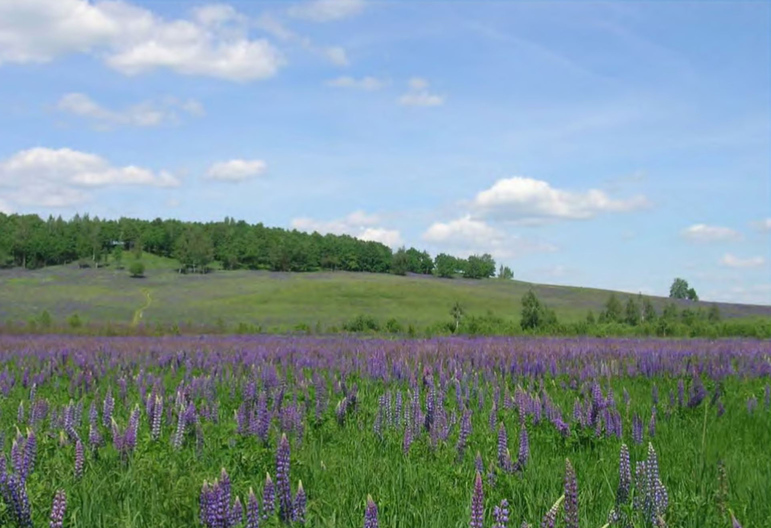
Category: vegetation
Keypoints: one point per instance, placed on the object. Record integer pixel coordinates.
(137, 269)
(106, 432)
(681, 290)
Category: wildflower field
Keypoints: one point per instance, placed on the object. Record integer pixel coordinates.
(219, 432)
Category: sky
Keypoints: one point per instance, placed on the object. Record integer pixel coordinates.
(614, 145)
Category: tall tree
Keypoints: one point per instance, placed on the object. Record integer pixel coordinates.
(679, 289)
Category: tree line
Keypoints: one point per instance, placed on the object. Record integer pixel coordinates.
(31, 242)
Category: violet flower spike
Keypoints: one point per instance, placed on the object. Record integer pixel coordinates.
(300, 504)
(282, 479)
(58, 509)
(477, 504)
(370, 514)
(571, 496)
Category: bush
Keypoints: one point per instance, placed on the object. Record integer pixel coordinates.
(393, 326)
(74, 321)
(362, 323)
(137, 269)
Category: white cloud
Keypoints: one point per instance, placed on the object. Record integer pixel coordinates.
(707, 233)
(357, 224)
(466, 235)
(365, 83)
(145, 114)
(60, 177)
(418, 94)
(326, 10)
(236, 170)
(336, 55)
(132, 39)
(733, 261)
(763, 225)
(531, 201)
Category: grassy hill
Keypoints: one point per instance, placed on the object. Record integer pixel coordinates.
(279, 300)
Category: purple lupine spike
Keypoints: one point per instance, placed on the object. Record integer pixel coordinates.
(524, 449)
(734, 522)
(236, 513)
(465, 431)
(503, 441)
(652, 424)
(477, 504)
(407, 440)
(58, 509)
(30, 455)
(300, 504)
(252, 510)
(155, 426)
(283, 488)
(370, 514)
(94, 437)
(571, 496)
(624, 476)
(107, 408)
(79, 458)
(130, 437)
(637, 429)
(205, 505)
(179, 433)
(501, 514)
(268, 498)
(20, 413)
(478, 464)
(752, 404)
(655, 394)
(17, 492)
(551, 515)
(224, 492)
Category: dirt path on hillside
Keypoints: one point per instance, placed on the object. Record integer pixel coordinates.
(138, 311)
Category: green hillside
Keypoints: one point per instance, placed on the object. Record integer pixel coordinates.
(279, 300)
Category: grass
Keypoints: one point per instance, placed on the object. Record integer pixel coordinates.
(278, 300)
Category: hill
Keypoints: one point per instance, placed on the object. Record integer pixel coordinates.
(279, 300)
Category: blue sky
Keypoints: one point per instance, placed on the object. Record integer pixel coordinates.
(613, 145)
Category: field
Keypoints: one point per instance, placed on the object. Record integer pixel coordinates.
(134, 432)
(280, 301)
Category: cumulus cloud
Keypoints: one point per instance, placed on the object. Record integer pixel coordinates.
(326, 10)
(213, 42)
(145, 114)
(62, 177)
(733, 261)
(418, 94)
(236, 170)
(365, 83)
(466, 235)
(531, 201)
(707, 233)
(272, 25)
(357, 224)
(763, 225)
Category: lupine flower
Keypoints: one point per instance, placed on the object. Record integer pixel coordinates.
(300, 503)
(571, 496)
(18, 501)
(652, 424)
(252, 510)
(79, 459)
(734, 522)
(503, 442)
(637, 429)
(283, 488)
(478, 464)
(107, 408)
(407, 441)
(58, 509)
(524, 449)
(370, 514)
(179, 434)
(268, 498)
(501, 514)
(551, 516)
(236, 513)
(477, 504)
(465, 431)
(155, 426)
(624, 476)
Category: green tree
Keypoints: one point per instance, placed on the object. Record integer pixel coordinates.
(194, 249)
(445, 265)
(679, 289)
(632, 312)
(670, 312)
(137, 269)
(713, 316)
(649, 312)
(400, 262)
(691, 295)
(117, 256)
(74, 321)
(590, 319)
(613, 310)
(535, 314)
(457, 313)
(505, 273)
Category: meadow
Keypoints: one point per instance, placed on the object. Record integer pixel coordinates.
(279, 302)
(184, 431)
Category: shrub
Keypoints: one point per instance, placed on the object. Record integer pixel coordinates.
(137, 269)
(362, 323)
(74, 321)
(393, 326)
